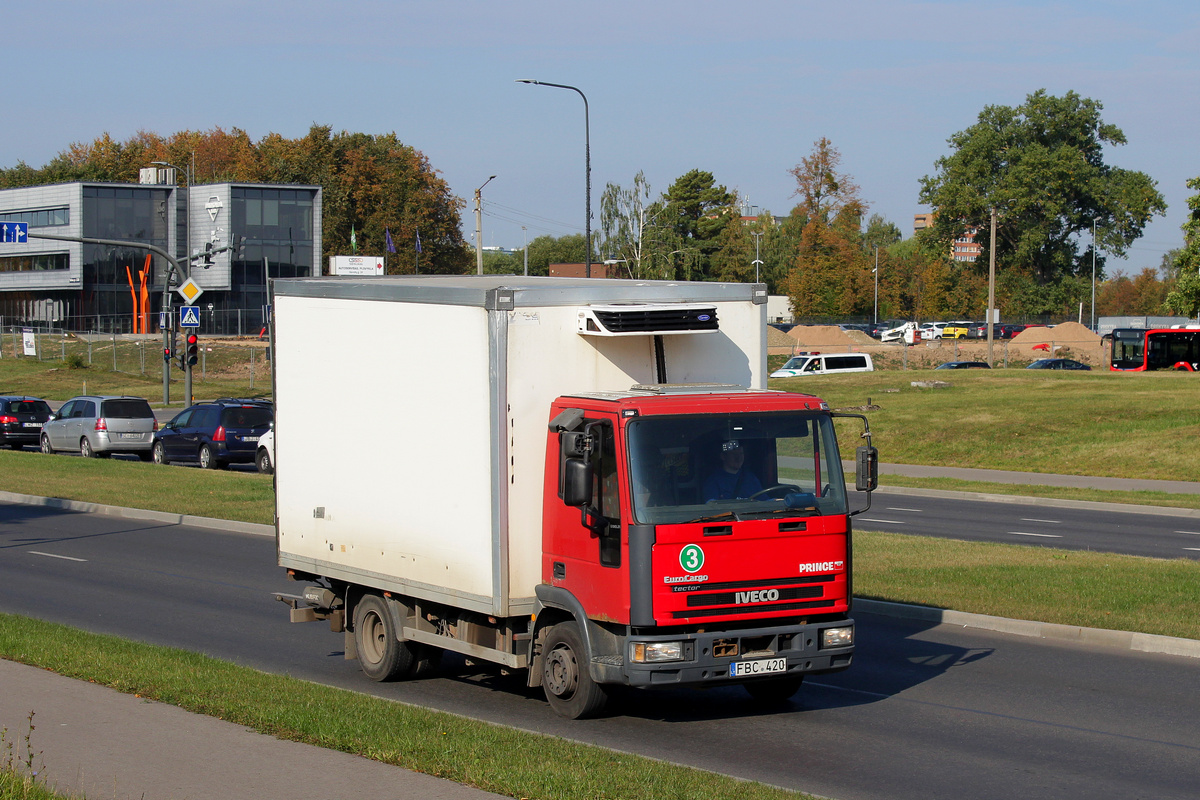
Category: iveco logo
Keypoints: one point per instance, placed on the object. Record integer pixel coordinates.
(765, 596)
(704, 317)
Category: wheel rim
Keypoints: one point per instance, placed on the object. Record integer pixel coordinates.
(562, 672)
(374, 638)
(205, 457)
(85, 448)
(158, 454)
(46, 444)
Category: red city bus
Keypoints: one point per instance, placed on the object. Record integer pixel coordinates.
(1138, 350)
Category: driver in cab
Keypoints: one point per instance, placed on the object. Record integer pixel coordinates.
(731, 480)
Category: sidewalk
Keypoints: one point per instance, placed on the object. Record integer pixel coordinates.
(96, 741)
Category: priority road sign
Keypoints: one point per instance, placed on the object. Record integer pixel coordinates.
(14, 232)
(189, 317)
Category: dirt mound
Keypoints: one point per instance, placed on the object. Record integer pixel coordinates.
(820, 336)
(777, 338)
(1064, 333)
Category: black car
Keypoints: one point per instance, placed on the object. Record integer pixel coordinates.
(21, 420)
(215, 434)
(1057, 363)
(964, 365)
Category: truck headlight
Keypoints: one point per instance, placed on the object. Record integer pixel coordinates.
(654, 652)
(837, 637)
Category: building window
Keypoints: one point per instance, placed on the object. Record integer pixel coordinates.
(35, 263)
(39, 218)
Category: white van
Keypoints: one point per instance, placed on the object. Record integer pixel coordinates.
(824, 365)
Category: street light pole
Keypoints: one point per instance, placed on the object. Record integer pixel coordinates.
(757, 261)
(876, 318)
(1093, 274)
(587, 144)
(479, 226)
(186, 264)
(991, 286)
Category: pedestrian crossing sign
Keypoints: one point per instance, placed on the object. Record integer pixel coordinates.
(189, 317)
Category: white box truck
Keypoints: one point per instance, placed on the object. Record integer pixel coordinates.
(582, 478)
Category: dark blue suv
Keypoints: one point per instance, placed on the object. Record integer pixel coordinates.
(215, 434)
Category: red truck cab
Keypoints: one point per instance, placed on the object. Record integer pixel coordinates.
(704, 535)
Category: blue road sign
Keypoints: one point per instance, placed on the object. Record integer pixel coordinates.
(14, 232)
(189, 317)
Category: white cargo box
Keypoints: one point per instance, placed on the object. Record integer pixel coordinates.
(411, 413)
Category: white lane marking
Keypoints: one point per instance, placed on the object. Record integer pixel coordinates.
(52, 555)
(910, 510)
(1190, 533)
(1047, 521)
(887, 521)
(1042, 535)
(1192, 548)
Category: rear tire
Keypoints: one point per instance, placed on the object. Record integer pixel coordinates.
(774, 691)
(263, 461)
(208, 460)
(566, 680)
(381, 655)
(85, 449)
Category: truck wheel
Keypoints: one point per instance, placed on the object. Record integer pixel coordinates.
(383, 657)
(569, 687)
(773, 691)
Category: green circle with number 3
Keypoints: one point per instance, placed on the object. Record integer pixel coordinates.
(691, 558)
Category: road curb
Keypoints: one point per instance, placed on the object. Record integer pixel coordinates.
(1049, 502)
(1123, 640)
(139, 513)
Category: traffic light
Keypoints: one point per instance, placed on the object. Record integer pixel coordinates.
(238, 247)
(167, 354)
(208, 256)
(193, 349)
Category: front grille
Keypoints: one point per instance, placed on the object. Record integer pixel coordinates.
(755, 609)
(753, 597)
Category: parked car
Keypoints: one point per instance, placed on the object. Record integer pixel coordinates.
(999, 331)
(21, 420)
(956, 330)
(931, 330)
(964, 365)
(97, 426)
(1057, 363)
(216, 434)
(264, 457)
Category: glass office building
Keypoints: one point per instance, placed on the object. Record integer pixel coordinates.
(62, 284)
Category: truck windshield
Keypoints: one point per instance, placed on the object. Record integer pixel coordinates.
(742, 466)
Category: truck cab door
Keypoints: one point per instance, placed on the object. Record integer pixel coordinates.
(584, 545)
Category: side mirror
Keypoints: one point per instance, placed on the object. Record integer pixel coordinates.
(576, 482)
(866, 469)
(52, 417)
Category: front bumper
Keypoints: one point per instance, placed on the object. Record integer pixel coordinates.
(705, 663)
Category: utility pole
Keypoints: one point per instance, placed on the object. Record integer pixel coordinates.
(991, 287)
(479, 226)
(757, 261)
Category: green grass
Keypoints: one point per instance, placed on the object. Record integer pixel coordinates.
(241, 496)
(1093, 590)
(488, 757)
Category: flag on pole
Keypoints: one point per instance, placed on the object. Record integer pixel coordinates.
(418, 240)
(387, 232)
(353, 239)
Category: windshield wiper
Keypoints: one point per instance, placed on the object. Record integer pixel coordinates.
(723, 515)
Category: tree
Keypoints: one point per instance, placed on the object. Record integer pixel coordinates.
(1042, 163)
(1185, 297)
(696, 210)
(823, 191)
(547, 250)
(624, 217)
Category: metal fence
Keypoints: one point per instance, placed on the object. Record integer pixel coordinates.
(213, 322)
(138, 353)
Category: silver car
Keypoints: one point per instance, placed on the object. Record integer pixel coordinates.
(98, 426)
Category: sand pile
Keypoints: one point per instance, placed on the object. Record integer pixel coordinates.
(777, 338)
(1064, 333)
(820, 336)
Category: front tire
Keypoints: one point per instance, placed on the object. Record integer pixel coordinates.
(382, 656)
(263, 461)
(46, 447)
(158, 454)
(566, 680)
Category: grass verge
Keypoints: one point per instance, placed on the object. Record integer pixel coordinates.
(489, 757)
(1069, 587)
(241, 496)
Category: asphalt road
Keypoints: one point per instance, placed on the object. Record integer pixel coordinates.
(1072, 526)
(925, 712)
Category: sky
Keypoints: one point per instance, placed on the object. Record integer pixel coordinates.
(741, 90)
